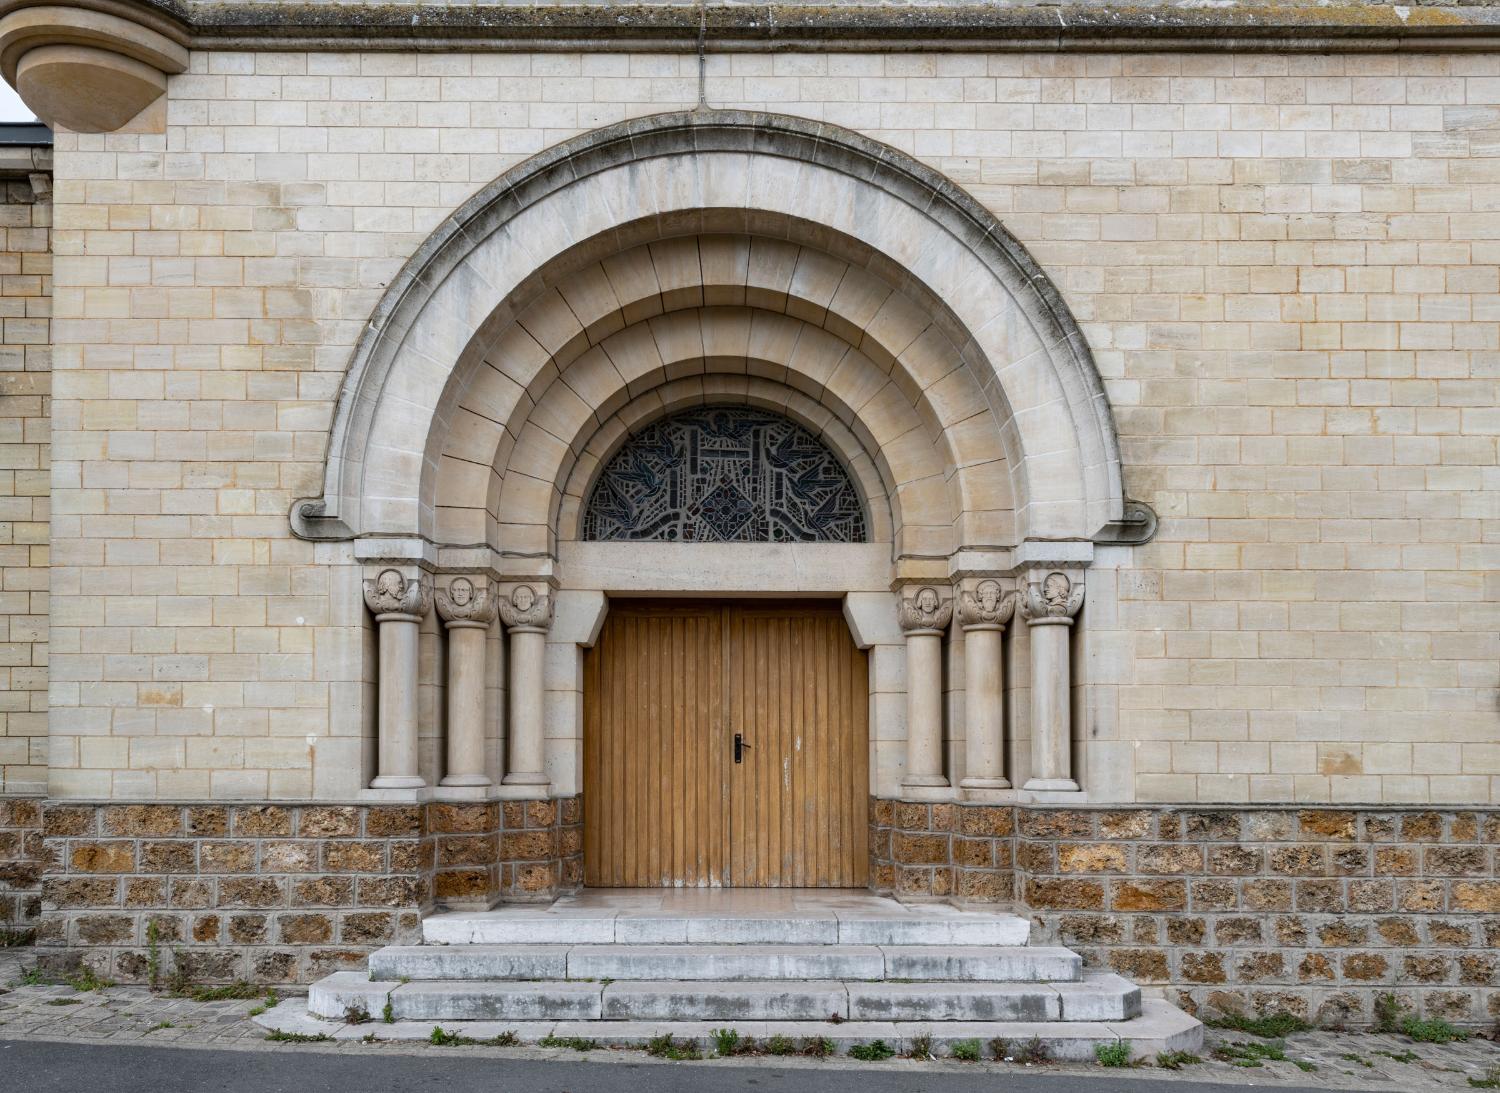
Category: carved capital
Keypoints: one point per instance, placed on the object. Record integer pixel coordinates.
(924, 610)
(466, 601)
(526, 609)
(986, 606)
(392, 593)
(1054, 597)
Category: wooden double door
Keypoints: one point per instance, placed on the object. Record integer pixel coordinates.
(725, 745)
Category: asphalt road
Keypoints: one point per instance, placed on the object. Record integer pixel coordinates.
(42, 1066)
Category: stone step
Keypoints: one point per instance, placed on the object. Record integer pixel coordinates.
(995, 964)
(1100, 997)
(545, 926)
(1160, 1027)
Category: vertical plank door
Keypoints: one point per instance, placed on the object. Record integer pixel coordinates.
(666, 688)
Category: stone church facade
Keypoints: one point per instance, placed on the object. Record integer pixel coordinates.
(1032, 457)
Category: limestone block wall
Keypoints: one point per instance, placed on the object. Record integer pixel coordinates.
(25, 443)
(1311, 910)
(1285, 266)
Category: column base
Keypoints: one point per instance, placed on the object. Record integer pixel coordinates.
(398, 781)
(465, 780)
(526, 778)
(926, 787)
(1052, 785)
(986, 789)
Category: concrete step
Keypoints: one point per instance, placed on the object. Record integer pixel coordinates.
(994, 963)
(1100, 997)
(547, 926)
(1160, 1027)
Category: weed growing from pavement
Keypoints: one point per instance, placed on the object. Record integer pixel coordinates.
(726, 1042)
(966, 1051)
(356, 1015)
(1491, 1079)
(1116, 1054)
(873, 1052)
(1176, 1060)
(817, 1047)
(1351, 1057)
(780, 1045)
(921, 1047)
(66, 1002)
(442, 1038)
(87, 979)
(1271, 1026)
(1400, 1056)
(666, 1046)
(12, 939)
(1000, 1049)
(388, 1014)
(577, 1043)
(1246, 1053)
(1433, 1030)
(1033, 1052)
(238, 989)
(276, 1036)
(1388, 1013)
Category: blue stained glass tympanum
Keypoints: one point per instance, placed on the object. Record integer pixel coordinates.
(725, 474)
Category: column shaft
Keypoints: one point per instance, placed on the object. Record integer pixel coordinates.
(984, 710)
(466, 641)
(398, 703)
(527, 728)
(924, 711)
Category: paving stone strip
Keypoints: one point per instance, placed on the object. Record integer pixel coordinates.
(1343, 1060)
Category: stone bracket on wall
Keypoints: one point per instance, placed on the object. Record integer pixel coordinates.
(91, 71)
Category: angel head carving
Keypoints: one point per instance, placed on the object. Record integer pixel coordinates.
(988, 605)
(390, 593)
(925, 610)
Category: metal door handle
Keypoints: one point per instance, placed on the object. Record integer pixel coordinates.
(740, 747)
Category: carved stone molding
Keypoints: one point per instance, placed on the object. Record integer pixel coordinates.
(391, 594)
(465, 602)
(986, 606)
(526, 609)
(924, 610)
(1052, 598)
(87, 70)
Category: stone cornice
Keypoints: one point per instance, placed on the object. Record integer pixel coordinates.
(851, 26)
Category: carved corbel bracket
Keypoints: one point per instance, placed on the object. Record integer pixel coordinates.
(86, 69)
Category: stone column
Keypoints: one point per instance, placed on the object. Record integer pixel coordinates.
(399, 603)
(924, 617)
(983, 613)
(527, 616)
(1048, 608)
(466, 611)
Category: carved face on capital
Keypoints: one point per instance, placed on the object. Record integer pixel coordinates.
(390, 583)
(928, 601)
(461, 591)
(989, 597)
(1055, 589)
(523, 597)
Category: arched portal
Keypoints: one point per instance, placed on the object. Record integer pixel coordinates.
(722, 266)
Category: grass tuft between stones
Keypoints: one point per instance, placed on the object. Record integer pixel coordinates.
(1176, 1060)
(443, 1038)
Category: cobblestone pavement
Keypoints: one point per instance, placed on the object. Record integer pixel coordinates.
(136, 1015)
